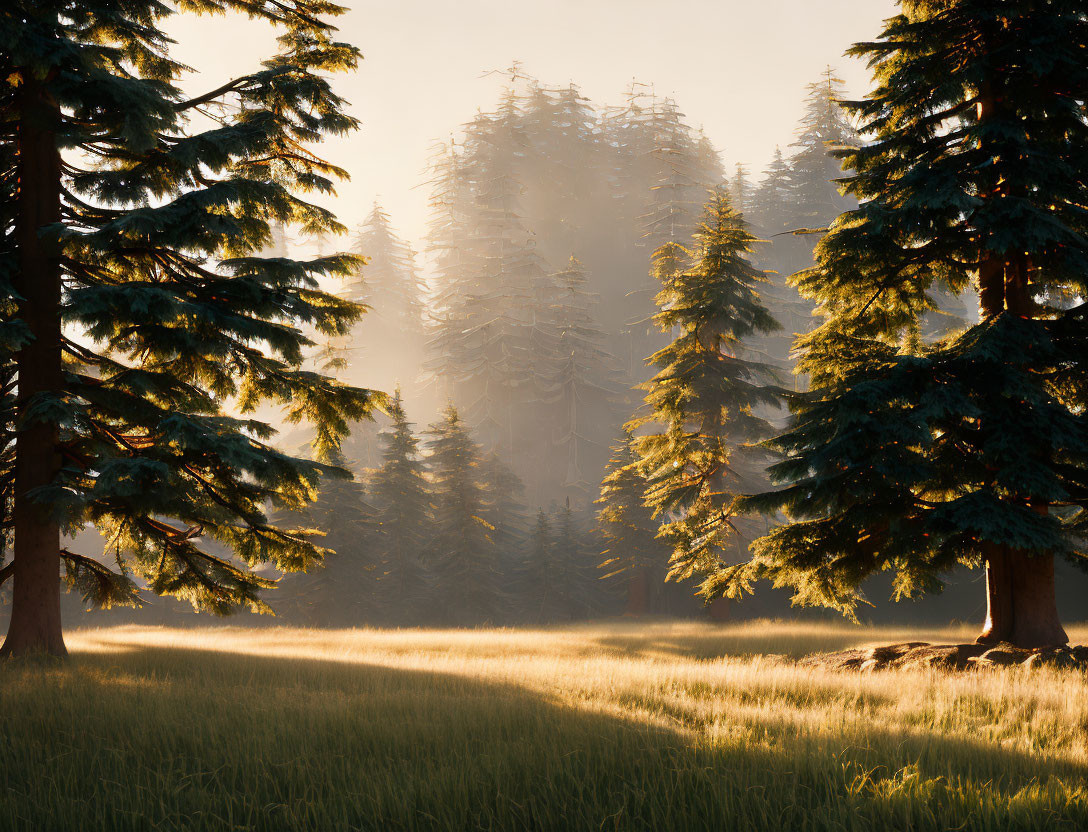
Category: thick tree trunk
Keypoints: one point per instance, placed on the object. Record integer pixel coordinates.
(1021, 608)
(638, 593)
(35, 626)
(1020, 605)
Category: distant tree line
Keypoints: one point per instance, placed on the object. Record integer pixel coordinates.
(438, 534)
(555, 227)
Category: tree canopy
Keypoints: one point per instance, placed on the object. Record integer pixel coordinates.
(140, 328)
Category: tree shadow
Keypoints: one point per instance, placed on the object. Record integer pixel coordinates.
(180, 738)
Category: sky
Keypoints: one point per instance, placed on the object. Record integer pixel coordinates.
(738, 68)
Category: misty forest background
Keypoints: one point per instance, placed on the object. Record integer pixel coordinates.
(512, 341)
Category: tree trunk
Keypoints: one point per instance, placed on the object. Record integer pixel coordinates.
(718, 609)
(638, 593)
(35, 626)
(1020, 604)
(1021, 609)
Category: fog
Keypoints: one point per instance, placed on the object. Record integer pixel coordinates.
(519, 175)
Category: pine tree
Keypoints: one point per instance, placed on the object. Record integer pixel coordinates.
(662, 172)
(140, 239)
(504, 510)
(401, 497)
(814, 167)
(915, 457)
(702, 397)
(581, 386)
(632, 549)
(771, 199)
(484, 347)
(538, 570)
(342, 589)
(454, 269)
(573, 546)
(559, 568)
(566, 192)
(740, 190)
(800, 195)
(463, 555)
(393, 291)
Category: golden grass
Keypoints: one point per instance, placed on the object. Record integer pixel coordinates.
(654, 725)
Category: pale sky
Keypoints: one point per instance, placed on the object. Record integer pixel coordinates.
(737, 67)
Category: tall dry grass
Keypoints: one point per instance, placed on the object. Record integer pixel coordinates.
(615, 726)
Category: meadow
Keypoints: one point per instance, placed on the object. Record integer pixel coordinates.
(613, 726)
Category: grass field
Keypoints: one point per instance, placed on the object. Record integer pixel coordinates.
(640, 726)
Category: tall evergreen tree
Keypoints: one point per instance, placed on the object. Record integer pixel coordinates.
(582, 387)
(342, 589)
(628, 529)
(915, 458)
(741, 192)
(463, 554)
(401, 497)
(538, 571)
(504, 511)
(559, 568)
(796, 201)
(492, 315)
(453, 265)
(140, 238)
(702, 397)
(390, 282)
(814, 165)
(771, 199)
(572, 544)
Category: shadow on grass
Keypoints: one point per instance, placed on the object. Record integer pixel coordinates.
(171, 739)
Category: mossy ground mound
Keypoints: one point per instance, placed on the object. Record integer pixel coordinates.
(919, 654)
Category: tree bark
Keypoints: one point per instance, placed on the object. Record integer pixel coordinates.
(35, 626)
(1021, 608)
(1020, 605)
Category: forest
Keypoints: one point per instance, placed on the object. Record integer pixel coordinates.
(554, 224)
(710, 458)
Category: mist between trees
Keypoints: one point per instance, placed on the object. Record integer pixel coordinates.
(502, 485)
(554, 225)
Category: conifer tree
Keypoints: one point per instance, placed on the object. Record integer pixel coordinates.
(771, 199)
(342, 589)
(916, 458)
(449, 244)
(504, 510)
(800, 195)
(702, 398)
(463, 555)
(401, 497)
(559, 568)
(632, 550)
(663, 172)
(740, 189)
(572, 545)
(134, 309)
(388, 284)
(814, 166)
(566, 191)
(772, 217)
(485, 346)
(581, 385)
(537, 570)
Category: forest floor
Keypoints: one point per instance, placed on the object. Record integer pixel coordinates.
(628, 726)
